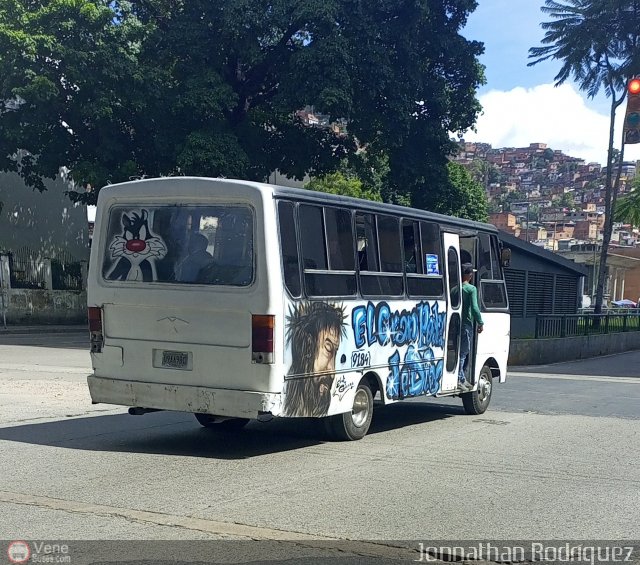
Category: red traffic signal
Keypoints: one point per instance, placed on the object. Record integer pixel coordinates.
(631, 128)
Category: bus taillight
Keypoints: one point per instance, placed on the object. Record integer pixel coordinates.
(95, 329)
(262, 327)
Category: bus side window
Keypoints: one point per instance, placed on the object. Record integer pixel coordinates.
(289, 246)
(484, 267)
(427, 282)
(389, 244)
(340, 239)
(367, 242)
(379, 255)
(493, 292)
(411, 244)
(314, 250)
(327, 250)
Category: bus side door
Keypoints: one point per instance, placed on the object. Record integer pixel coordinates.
(454, 312)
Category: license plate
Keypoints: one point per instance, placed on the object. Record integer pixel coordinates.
(175, 359)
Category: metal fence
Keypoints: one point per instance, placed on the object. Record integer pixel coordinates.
(26, 270)
(29, 271)
(569, 325)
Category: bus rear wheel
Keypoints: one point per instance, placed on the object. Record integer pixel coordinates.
(477, 401)
(354, 424)
(230, 424)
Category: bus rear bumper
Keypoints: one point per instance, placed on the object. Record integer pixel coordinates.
(215, 401)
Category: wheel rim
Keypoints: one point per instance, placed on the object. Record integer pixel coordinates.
(484, 388)
(360, 411)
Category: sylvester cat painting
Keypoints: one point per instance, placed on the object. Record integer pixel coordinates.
(136, 249)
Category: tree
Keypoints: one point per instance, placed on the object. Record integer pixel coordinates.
(484, 172)
(465, 197)
(597, 42)
(494, 207)
(567, 201)
(628, 207)
(114, 90)
(339, 183)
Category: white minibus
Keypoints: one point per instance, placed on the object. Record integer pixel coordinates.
(237, 300)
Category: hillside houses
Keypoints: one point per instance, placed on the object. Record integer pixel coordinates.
(544, 196)
(555, 201)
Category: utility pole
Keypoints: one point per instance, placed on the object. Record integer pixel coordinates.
(593, 275)
(528, 206)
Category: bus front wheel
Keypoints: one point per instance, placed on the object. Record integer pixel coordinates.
(354, 424)
(477, 401)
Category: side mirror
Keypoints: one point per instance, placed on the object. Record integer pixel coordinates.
(505, 257)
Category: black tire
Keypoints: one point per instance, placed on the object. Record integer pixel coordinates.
(209, 421)
(353, 425)
(476, 402)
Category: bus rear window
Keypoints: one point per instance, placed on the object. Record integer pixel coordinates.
(209, 245)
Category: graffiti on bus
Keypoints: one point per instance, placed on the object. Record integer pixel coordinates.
(420, 330)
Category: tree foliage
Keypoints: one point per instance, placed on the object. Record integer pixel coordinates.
(339, 183)
(114, 90)
(598, 43)
(628, 207)
(567, 201)
(466, 198)
(461, 196)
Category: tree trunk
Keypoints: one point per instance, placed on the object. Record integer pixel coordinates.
(610, 199)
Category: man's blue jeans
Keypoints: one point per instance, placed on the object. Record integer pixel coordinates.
(465, 348)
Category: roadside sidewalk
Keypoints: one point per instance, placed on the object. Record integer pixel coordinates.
(44, 329)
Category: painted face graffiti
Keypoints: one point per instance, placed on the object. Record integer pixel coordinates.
(327, 346)
(314, 331)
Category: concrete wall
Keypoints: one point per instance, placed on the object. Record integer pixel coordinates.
(555, 350)
(46, 222)
(49, 225)
(37, 307)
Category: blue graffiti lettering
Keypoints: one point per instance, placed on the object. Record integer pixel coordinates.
(393, 380)
(359, 325)
(371, 316)
(423, 326)
(383, 321)
(419, 374)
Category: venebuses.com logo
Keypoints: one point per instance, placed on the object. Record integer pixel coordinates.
(36, 552)
(18, 552)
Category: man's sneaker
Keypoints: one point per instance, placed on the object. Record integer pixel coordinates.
(464, 386)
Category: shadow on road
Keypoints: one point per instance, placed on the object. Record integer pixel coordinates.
(172, 433)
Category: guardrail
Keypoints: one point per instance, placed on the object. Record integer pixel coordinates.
(570, 325)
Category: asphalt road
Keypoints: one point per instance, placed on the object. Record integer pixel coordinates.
(555, 457)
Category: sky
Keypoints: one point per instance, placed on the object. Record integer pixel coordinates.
(520, 104)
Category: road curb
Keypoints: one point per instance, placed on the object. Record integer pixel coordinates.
(13, 330)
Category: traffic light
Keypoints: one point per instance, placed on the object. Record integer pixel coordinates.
(632, 115)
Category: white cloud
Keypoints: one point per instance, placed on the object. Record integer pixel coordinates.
(557, 116)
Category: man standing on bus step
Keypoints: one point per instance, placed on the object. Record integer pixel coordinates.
(470, 314)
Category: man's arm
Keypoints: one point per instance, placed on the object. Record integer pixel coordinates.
(475, 309)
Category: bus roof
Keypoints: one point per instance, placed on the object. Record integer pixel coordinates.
(372, 206)
(311, 196)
